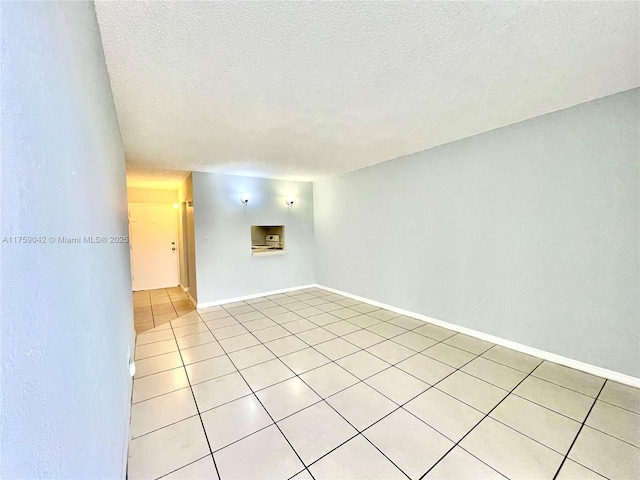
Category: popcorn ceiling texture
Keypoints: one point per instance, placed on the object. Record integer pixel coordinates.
(303, 90)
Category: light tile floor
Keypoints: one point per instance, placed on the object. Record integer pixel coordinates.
(152, 308)
(311, 384)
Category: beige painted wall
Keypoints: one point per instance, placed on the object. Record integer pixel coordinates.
(151, 195)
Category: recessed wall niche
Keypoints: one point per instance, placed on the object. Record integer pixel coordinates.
(267, 240)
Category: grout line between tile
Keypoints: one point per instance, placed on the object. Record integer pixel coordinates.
(579, 431)
(197, 408)
(473, 428)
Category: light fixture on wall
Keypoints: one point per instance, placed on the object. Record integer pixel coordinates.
(244, 198)
(176, 206)
(289, 202)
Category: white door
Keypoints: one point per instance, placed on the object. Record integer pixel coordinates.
(154, 248)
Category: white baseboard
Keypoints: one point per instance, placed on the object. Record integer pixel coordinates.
(253, 295)
(552, 357)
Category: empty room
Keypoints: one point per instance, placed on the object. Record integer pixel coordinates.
(320, 240)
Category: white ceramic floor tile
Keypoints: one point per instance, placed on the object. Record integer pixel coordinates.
(324, 318)
(167, 449)
(574, 471)
(271, 311)
(286, 317)
(304, 360)
(234, 420)
(355, 459)
(606, 455)
(159, 384)
(391, 352)
(161, 411)
(221, 323)
(472, 391)
(452, 356)
(414, 341)
(286, 345)
(195, 340)
(266, 374)
(345, 313)
(426, 369)
(315, 431)
(433, 331)
(510, 452)
(520, 361)
(251, 356)
(543, 425)
(336, 348)
(271, 333)
(447, 415)
(361, 405)
(411, 444)
(265, 454)
(240, 342)
(328, 379)
(461, 465)
(152, 337)
(364, 321)
(190, 329)
(494, 373)
(342, 328)
(384, 315)
(559, 399)
(218, 391)
(202, 469)
(386, 330)
(308, 312)
(408, 323)
(239, 309)
(260, 324)
(213, 315)
(364, 307)
(298, 326)
(157, 364)
(286, 398)
(315, 336)
(208, 369)
(229, 331)
(615, 421)
(201, 352)
(362, 364)
(397, 385)
(470, 344)
(249, 316)
(621, 396)
(363, 338)
(567, 377)
(156, 348)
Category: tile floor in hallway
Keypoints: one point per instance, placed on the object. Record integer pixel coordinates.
(311, 384)
(152, 308)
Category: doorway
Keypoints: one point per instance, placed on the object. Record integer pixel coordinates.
(154, 251)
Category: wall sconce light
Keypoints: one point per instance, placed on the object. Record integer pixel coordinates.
(289, 202)
(176, 206)
(244, 198)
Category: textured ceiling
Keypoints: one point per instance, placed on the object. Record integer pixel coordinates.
(302, 90)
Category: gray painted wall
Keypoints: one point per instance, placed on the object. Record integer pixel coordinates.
(67, 319)
(529, 232)
(224, 265)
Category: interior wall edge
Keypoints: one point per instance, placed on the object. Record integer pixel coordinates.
(536, 352)
(253, 295)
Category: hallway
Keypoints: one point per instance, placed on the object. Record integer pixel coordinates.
(311, 384)
(152, 308)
